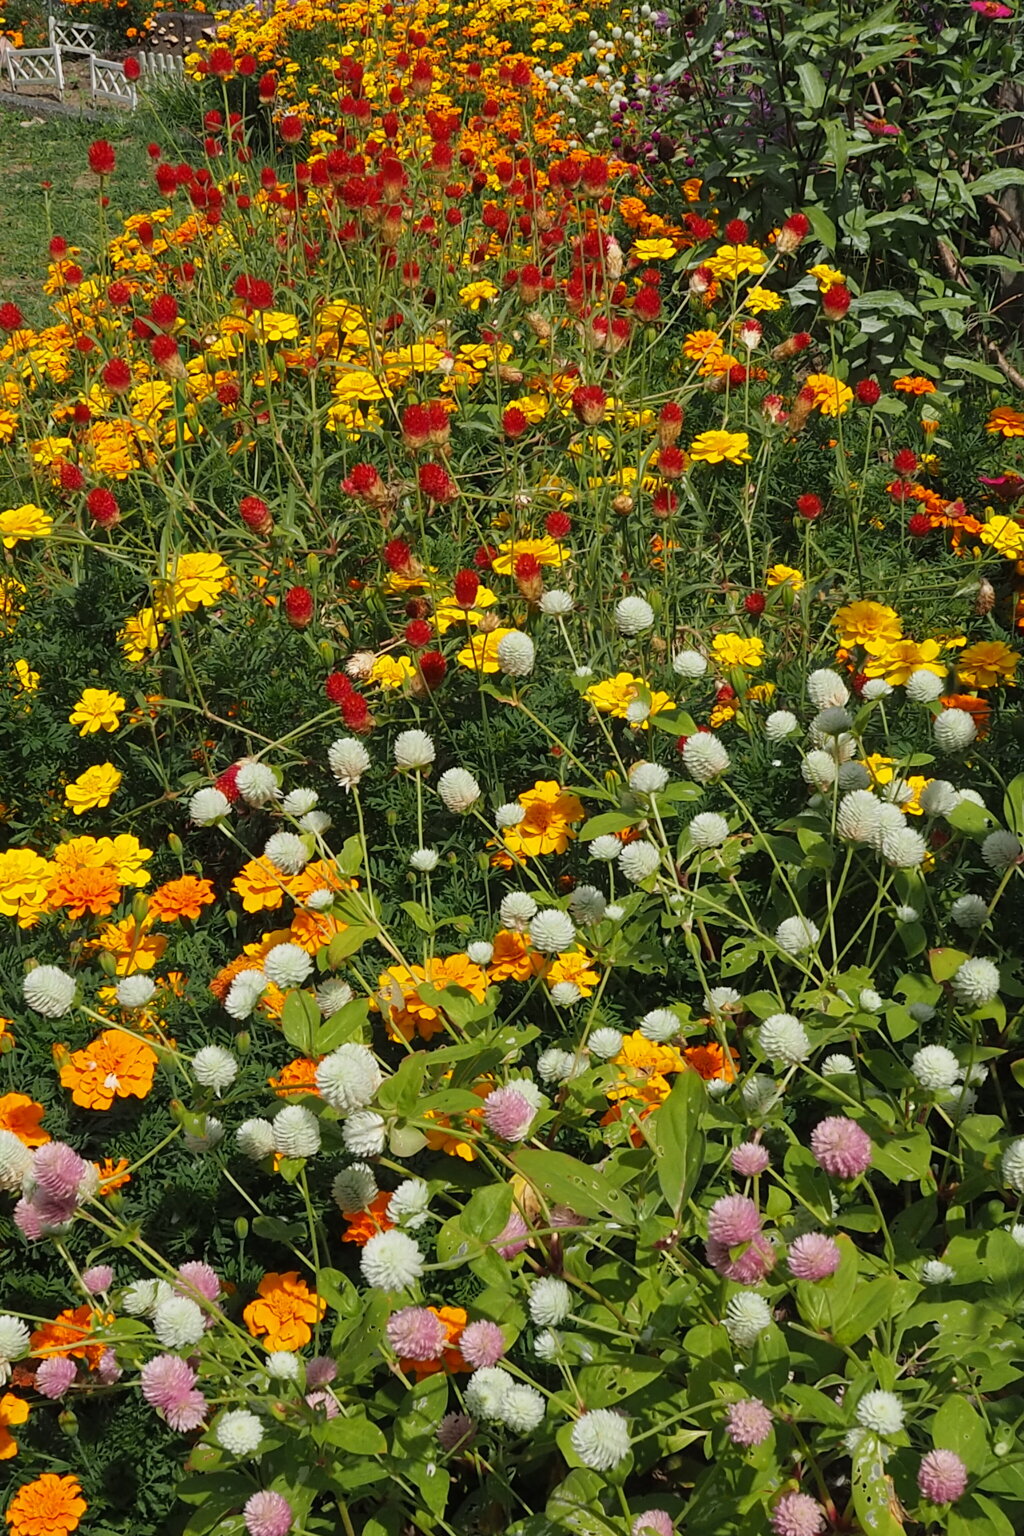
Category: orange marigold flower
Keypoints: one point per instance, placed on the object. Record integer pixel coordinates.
(20, 1114)
(284, 1312)
(69, 1333)
(408, 1013)
(362, 1225)
(180, 898)
(260, 886)
(86, 890)
(1006, 421)
(114, 1065)
(317, 876)
(913, 384)
(711, 1061)
(13, 1410)
(49, 1506)
(112, 1175)
(453, 1320)
(298, 1077)
(312, 931)
(512, 959)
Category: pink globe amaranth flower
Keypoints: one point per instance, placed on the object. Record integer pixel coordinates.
(565, 1217)
(510, 1241)
(456, 1430)
(28, 1221)
(58, 1171)
(189, 1414)
(325, 1400)
(54, 1376)
(748, 1422)
(415, 1333)
(166, 1380)
(508, 1114)
(797, 1514)
(942, 1477)
(320, 1371)
(199, 1282)
(733, 1219)
(108, 1369)
(658, 1521)
(98, 1279)
(747, 1265)
(481, 1344)
(749, 1159)
(841, 1147)
(267, 1514)
(814, 1257)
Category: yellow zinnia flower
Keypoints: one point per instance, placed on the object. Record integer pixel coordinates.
(391, 671)
(93, 789)
(653, 250)
(25, 522)
(738, 650)
(1005, 536)
(867, 623)
(780, 575)
(987, 663)
(731, 261)
(97, 710)
(720, 448)
(827, 277)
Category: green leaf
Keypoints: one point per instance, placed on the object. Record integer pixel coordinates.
(575, 1506)
(566, 1181)
(348, 942)
(357, 1435)
(1013, 804)
(823, 227)
(675, 723)
(674, 1130)
(812, 85)
(608, 821)
(349, 1023)
(835, 138)
(900, 1158)
(300, 1020)
(874, 1301)
(944, 963)
(996, 181)
(401, 1092)
(959, 1427)
(874, 1497)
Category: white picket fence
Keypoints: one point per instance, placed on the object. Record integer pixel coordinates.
(107, 83)
(162, 66)
(30, 70)
(72, 36)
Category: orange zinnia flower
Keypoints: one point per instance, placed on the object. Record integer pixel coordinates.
(112, 1175)
(453, 1320)
(298, 1077)
(180, 898)
(284, 1311)
(913, 384)
(67, 1334)
(20, 1114)
(710, 1061)
(362, 1225)
(86, 890)
(114, 1065)
(260, 886)
(49, 1506)
(13, 1410)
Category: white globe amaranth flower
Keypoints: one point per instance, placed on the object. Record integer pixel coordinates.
(582, 671)
(555, 1065)
(875, 688)
(282, 1365)
(486, 1392)
(689, 664)
(600, 1439)
(783, 1038)
(838, 1065)
(746, 1317)
(547, 1345)
(353, 1188)
(1017, 1233)
(637, 711)
(890, 821)
(551, 931)
(660, 1024)
(924, 687)
(408, 1205)
(208, 806)
(1013, 1166)
(516, 654)
(135, 991)
(299, 802)
(796, 935)
(638, 861)
(481, 951)
(903, 848)
(870, 1000)
(1000, 849)
(719, 999)
(49, 990)
(239, 1432)
(257, 784)
(605, 1042)
(364, 1133)
(760, 1094)
(414, 751)
(832, 721)
(954, 730)
(287, 852)
(549, 1301)
(858, 816)
(458, 789)
(556, 603)
(976, 982)
(391, 1261)
(211, 1135)
(935, 1272)
(518, 909)
(633, 615)
(143, 1297)
(935, 1068)
(972, 797)
(348, 760)
(15, 1161)
(780, 724)
(705, 757)
(819, 770)
(970, 912)
(509, 815)
(424, 860)
(647, 778)
(881, 1412)
(178, 1321)
(921, 1013)
(349, 1077)
(214, 1067)
(939, 797)
(853, 776)
(296, 1132)
(14, 1338)
(315, 822)
(587, 905)
(523, 1408)
(826, 689)
(565, 993)
(255, 1139)
(605, 848)
(287, 966)
(331, 996)
(708, 830)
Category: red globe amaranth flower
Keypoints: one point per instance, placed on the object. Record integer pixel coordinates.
(557, 525)
(483, 557)
(337, 687)
(901, 490)
(809, 506)
(101, 158)
(791, 347)
(664, 502)
(514, 422)
(415, 427)
(119, 293)
(436, 483)
(672, 462)
(904, 461)
(919, 525)
(11, 318)
(132, 68)
(670, 424)
(796, 229)
(867, 392)
(163, 311)
(102, 507)
(227, 783)
(163, 348)
(466, 587)
(117, 376)
(418, 633)
(221, 63)
(228, 395)
(398, 557)
(356, 713)
(835, 302)
(71, 477)
(298, 605)
(736, 231)
(432, 667)
(647, 304)
(754, 603)
(588, 403)
(255, 514)
(268, 87)
(365, 483)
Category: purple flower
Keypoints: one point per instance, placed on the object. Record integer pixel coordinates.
(814, 1257)
(733, 1219)
(841, 1147)
(98, 1279)
(748, 1422)
(656, 1521)
(54, 1376)
(508, 1114)
(797, 1514)
(415, 1333)
(320, 1371)
(168, 1385)
(455, 1430)
(108, 1369)
(198, 1281)
(58, 1171)
(748, 1266)
(325, 1400)
(481, 1344)
(267, 1514)
(749, 1159)
(942, 1477)
(510, 1241)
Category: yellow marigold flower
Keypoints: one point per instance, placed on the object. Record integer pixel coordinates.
(97, 710)
(780, 575)
(653, 250)
(644, 1069)
(732, 261)
(616, 694)
(913, 384)
(577, 967)
(141, 635)
(193, 581)
(93, 789)
(1005, 536)
(28, 681)
(545, 551)
(987, 663)
(762, 301)
(11, 592)
(827, 277)
(1004, 420)
(260, 885)
(738, 650)
(131, 945)
(867, 623)
(898, 658)
(700, 344)
(25, 878)
(391, 671)
(546, 827)
(449, 612)
(831, 396)
(480, 653)
(275, 325)
(25, 522)
(475, 294)
(720, 448)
